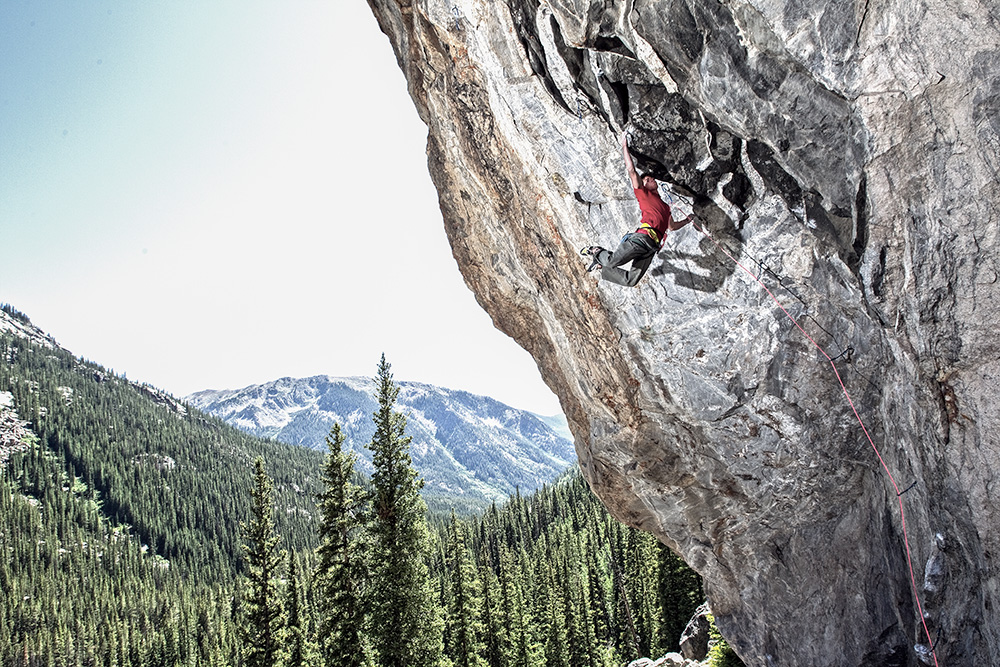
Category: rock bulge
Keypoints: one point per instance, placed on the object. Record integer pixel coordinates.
(847, 156)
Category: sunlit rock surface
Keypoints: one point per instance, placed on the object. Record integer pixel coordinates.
(848, 155)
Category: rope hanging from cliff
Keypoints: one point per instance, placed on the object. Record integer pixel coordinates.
(899, 494)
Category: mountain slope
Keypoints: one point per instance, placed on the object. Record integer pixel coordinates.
(177, 478)
(469, 447)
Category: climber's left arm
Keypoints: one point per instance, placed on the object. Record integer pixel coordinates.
(677, 224)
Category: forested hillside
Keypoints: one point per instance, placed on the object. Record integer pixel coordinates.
(561, 582)
(120, 511)
(178, 478)
(129, 525)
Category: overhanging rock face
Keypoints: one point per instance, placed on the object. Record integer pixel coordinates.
(848, 156)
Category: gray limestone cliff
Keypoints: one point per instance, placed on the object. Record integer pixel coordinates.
(847, 154)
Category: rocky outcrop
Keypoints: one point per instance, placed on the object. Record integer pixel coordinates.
(696, 635)
(15, 433)
(669, 660)
(847, 154)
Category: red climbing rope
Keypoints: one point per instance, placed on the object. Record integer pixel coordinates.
(871, 441)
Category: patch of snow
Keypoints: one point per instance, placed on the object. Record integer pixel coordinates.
(492, 422)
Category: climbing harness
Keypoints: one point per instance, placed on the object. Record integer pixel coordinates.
(899, 494)
(650, 231)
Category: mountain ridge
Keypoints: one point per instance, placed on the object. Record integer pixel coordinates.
(465, 445)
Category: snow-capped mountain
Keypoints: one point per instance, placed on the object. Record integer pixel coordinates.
(465, 446)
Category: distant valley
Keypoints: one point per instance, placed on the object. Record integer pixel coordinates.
(471, 450)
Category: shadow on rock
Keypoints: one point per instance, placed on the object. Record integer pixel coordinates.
(709, 258)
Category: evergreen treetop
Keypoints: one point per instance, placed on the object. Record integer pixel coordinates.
(405, 624)
(263, 620)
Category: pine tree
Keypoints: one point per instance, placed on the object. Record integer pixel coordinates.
(295, 642)
(576, 636)
(405, 623)
(464, 624)
(519, 649)
(640, 563)
(552, 615)
(262, 622)
(341, 572)
(495, 632)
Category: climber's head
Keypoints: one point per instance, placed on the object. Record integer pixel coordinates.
(647, 181)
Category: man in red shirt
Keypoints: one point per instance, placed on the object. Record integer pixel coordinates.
(640, 246)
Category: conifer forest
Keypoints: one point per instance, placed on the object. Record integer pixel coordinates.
(139, 532)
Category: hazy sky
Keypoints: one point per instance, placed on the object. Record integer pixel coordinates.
(187, 196)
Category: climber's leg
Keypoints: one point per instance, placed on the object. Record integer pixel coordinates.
(631, 276)
(635, 248)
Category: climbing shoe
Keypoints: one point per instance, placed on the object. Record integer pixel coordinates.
(592, 251)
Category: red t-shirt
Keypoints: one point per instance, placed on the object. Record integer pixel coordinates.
(655, 213)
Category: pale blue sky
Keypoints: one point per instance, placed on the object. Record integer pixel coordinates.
(186, 196)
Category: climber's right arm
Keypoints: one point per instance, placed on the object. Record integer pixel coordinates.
(633, 176)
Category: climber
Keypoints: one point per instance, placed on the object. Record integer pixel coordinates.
(639, 246)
